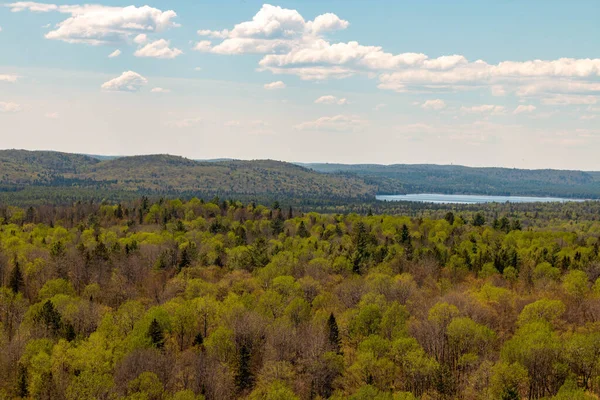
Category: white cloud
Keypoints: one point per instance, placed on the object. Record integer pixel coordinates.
(214, 34)
(198, 69)
(436, 104)
(52, 115)
(114, 54)
(100, 24)
(275, 85)
(562, 99)
(203, 45)
(338, 123)
(31, 6)
(587, 117)
(129, 81)
(379, 106)
(484, 109)
(141, 38)
(524, 109)
(9, 107)
(158, 49)
(291, 45)
(272, 29)
(160, 90)
(0, 29)
(331, 100)
(9, 78)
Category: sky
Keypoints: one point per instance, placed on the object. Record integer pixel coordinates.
(512, 83)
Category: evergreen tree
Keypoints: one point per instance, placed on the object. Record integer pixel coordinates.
(335, 342)
(198, 340)
(16, 281)
(244, 378)
(479, 220)
(449, 217)
(185, 259)
(302, 231)
(360, 247)
(119, 211)
(69, 332)
(290, 213)
(156, 335)
(259, 253)
(22, 384)
(404, 234)
(50, 318)
(277, 223)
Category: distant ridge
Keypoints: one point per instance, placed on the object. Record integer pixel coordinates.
(39, 174)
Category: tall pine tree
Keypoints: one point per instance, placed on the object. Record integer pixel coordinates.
(155, 333)
(16, 281)
(333, 334)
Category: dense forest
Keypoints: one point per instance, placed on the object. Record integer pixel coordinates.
(455, 179)
(42, 177)
(222, 299)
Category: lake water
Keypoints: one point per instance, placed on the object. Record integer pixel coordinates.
(469, 199)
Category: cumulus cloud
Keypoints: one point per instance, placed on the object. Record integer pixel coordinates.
(331, 100)
(9, 107)
(339, 123)
(272, 29)
(114, 54)
(160, 90)
(524, 109)
(129, 81)
(52, 115)
(436, 104)
(291, 45)
(97, 24)
(158, 49)
(275, 85)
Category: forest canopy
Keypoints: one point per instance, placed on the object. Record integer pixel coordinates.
(222, 299)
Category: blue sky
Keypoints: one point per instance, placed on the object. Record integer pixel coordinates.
(487, 83)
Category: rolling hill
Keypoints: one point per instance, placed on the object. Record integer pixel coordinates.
(453, 179)
(37, 176)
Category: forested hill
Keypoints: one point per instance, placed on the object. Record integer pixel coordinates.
(427, 178)
(30, 177)
(27, 176)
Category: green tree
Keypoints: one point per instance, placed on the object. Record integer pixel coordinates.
(156, 335)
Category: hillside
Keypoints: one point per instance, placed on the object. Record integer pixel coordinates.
(33, 174)
(424, 178)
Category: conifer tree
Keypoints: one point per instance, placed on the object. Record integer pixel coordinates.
(16, 281)
(155, 332)
(302, 231)
(22, 384)
(244, 377)
(334, 334)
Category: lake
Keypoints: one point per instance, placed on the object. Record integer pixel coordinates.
(469, 199)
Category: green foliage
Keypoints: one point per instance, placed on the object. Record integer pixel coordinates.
(359, 306)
